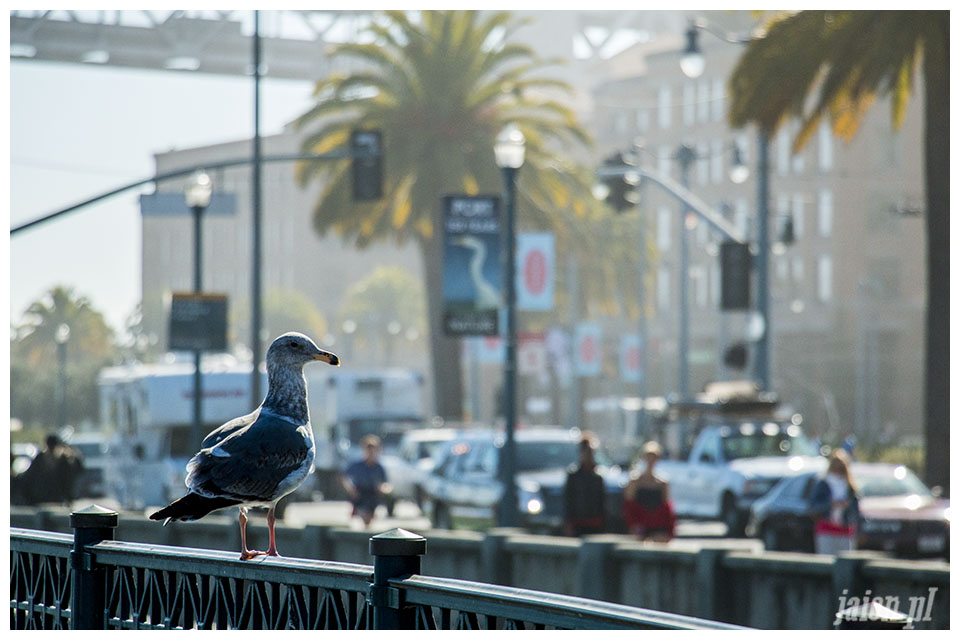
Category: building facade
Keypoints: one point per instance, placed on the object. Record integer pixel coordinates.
(847, 294)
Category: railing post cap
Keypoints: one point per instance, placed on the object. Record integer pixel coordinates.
(94, 517)
(398, 542)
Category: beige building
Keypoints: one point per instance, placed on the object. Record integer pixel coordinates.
(846, 298)
(295, 257)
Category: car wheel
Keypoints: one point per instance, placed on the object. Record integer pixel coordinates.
(732, 518)
(771, 541)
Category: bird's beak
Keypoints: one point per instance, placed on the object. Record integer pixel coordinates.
(326, 356)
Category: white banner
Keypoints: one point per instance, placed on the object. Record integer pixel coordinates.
(587, 349)
(536, 268)
(631, 358)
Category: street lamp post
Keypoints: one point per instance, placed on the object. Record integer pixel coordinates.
(692, 64)
(61, 337)
(509, 152)
(685, 157)
(198, 192)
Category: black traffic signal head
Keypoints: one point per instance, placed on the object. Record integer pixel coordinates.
(620, 189)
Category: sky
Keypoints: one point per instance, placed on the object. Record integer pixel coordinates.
(77, 131)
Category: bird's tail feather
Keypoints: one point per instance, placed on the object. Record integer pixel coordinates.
(192, 506)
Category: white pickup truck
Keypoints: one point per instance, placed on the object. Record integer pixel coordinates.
(733, 464)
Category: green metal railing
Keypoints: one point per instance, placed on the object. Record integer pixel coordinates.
(90, 581)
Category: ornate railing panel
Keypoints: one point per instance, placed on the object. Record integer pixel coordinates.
(90, 581)
(40, 580)
(156, 587)
(442, 603)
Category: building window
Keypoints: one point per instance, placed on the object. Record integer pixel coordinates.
(716, 161)
(689, 103)
(665, 160)
(703, 100)
(825, 217)
(663, 289)
(714, 285)
(698, 278)
(796, 207)
(741, 216)
(702, 163)
(825, 279)
(783, 152)
(717, 100)
(663, 107)
(825, 147)
(663, 228)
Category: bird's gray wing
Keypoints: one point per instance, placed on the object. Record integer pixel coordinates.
(229, 428)
(251, 462)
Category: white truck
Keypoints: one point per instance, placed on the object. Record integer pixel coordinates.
(148, 410)
(743, 447)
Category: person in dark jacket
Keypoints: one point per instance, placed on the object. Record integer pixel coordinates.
(366, 480)
(835, 507)
(584, 511)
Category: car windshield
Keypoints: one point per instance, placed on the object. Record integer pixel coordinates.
(755, 445)
(542, 454)
(899, 482)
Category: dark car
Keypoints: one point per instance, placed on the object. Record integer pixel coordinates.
(464, 490)
(898, 513)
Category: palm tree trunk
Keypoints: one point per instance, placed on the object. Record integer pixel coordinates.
(937, 171)
(444, 350)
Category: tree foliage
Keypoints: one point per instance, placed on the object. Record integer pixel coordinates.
(33, 358)
(845, 60)
(440, 88)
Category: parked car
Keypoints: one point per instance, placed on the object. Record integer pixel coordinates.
(412, 460)
(733, 464)
(898, 513)
(464, 490)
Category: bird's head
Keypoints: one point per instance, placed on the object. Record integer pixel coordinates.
(296, 349)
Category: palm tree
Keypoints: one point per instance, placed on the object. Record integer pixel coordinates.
(440, 89)
(849, 58)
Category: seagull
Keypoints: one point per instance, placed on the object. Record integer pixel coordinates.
(256, 459)
(487, 295)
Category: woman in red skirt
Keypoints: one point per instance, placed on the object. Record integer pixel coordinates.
(646, 501)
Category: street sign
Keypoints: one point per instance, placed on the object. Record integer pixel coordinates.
(587, 349)
(472, 275)
(631, 358)
(536, 266)
(198, 322)
(162, 203)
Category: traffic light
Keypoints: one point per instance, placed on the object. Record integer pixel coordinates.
(367, 167)
(735, 356)
(620, 190)
(735, 263)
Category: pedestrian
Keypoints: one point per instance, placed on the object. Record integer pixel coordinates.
(835, 507)
(647, 509)
(584, 496)
(366, 480)
(52, 476)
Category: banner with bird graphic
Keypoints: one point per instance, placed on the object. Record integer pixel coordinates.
(472, 273)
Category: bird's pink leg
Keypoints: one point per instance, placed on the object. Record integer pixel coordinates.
(271, 520)
(245, 554)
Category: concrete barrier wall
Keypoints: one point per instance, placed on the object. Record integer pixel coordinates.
(712, 579)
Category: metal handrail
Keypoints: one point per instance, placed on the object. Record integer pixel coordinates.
(148, 586)
(226, 564)
(539, 607)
